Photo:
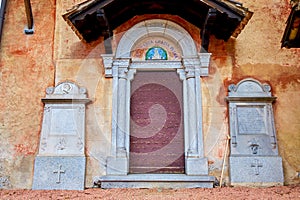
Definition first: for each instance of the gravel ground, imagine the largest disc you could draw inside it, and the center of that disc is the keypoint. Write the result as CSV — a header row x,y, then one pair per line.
x,y
279,192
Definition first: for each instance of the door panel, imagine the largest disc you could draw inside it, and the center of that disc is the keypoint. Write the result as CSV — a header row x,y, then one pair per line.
x,y
156,130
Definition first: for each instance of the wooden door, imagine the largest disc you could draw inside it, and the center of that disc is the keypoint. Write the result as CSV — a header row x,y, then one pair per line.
x,y
156,129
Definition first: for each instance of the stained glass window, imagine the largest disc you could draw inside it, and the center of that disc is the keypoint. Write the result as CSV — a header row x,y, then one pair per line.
x,y
156,53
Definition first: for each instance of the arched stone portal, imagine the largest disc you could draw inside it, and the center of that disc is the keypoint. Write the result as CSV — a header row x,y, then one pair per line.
x,y
183,59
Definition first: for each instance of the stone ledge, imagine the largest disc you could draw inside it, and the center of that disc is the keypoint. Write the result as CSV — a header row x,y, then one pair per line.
x,y
155,181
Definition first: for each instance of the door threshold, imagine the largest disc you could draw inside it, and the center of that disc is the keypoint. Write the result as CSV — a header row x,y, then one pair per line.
x,y
155,181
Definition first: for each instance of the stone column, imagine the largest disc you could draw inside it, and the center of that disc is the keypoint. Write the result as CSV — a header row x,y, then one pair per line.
x,y
195,163
198,105
117,163
121,115
192,117
115,75
130,76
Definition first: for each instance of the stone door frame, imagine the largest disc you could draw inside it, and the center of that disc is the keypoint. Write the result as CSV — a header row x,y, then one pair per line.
x,y
190,68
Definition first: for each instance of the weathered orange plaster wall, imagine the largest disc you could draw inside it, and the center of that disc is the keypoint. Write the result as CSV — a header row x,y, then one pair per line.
x,y
26,71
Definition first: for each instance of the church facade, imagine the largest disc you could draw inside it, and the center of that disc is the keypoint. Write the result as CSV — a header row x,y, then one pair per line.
x,y
153,94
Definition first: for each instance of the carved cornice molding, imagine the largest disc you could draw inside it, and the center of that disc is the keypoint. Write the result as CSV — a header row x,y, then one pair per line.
x,y
121,62
199,64
193,62
156,64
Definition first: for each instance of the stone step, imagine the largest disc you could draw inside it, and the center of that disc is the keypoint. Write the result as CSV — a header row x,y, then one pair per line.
x,y
155,181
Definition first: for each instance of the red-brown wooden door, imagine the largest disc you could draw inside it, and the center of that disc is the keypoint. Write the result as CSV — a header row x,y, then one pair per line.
x,y
156,129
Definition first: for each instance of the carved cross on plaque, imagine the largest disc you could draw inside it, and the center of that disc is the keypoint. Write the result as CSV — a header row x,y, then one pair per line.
x,y
257,165
58,172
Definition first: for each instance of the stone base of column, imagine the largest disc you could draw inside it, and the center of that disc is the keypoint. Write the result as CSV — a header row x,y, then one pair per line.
x,y
196,166
117,166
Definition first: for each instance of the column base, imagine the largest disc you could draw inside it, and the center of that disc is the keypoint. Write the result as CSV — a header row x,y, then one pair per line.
x,y
117,166
196,166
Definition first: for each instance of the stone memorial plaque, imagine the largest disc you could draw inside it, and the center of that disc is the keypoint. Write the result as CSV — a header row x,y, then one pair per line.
x,y
254,158
61,161
251,120
63,121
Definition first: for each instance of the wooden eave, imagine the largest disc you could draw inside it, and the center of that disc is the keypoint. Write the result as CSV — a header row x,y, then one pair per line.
x,y
95,18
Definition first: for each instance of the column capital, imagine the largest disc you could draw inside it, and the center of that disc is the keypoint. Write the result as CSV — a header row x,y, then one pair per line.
x,y
182,74
122,64
204,59
200,63
112,65
107,60
130,74
204,63
190,72
122,72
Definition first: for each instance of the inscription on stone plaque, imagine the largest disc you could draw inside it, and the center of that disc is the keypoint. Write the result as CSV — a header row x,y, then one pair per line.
x,y
251,120
63,122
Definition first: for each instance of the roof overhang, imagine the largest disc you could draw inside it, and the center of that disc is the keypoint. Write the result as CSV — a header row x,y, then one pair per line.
x,y
95,18
291,36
